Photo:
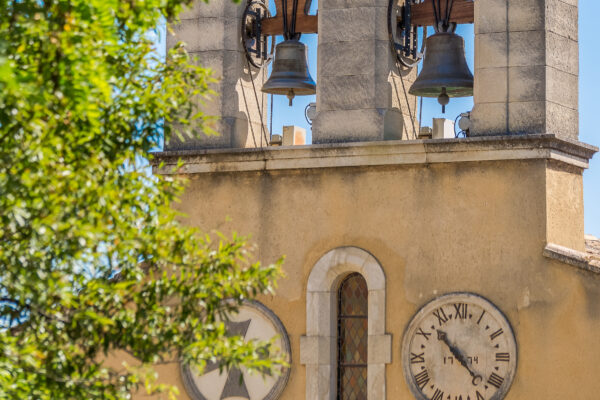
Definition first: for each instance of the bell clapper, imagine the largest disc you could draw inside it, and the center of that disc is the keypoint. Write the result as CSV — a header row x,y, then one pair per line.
x,y
443,99
290,96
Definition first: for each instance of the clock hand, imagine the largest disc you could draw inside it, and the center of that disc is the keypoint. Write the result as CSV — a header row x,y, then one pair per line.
x,y
459,356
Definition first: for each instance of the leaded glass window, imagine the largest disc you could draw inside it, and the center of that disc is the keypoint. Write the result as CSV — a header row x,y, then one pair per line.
x,y
352,338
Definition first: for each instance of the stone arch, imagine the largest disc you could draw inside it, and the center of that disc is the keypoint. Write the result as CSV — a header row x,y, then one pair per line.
x,y
317,347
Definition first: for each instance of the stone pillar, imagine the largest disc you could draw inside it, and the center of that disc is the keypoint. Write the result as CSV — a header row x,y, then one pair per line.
x,y
526,67
211,33
359,94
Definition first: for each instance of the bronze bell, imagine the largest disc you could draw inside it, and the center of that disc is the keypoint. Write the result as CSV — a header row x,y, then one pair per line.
x,y
290,74
445,71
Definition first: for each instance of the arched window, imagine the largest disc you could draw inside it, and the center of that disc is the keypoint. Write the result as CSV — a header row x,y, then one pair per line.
x,y
318,348
352,338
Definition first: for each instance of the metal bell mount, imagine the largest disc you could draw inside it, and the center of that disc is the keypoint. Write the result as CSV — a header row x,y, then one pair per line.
x,y
290,75
445,72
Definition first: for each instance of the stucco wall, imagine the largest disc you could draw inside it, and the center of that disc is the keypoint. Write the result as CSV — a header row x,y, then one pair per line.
x,y
434,228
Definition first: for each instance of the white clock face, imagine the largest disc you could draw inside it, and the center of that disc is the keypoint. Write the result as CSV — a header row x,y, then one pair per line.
x,y
459,347
254,321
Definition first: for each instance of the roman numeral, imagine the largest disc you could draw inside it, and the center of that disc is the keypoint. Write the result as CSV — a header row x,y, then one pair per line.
x,y
440,315
479,395
496,334
495,380
421,379
461,310
438,395
481,316
423,333
503,357
417,358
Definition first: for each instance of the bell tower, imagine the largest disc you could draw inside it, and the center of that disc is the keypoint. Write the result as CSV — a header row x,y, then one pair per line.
x,y
416,268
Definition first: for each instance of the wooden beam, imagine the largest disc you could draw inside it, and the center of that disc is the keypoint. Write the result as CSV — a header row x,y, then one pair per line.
x,y
304,23
463,12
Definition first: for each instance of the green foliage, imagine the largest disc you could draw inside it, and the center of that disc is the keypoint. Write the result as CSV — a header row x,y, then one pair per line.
x,y
93,264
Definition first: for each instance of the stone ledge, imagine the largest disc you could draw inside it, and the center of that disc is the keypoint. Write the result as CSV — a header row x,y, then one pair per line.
x,y
393,152
586,261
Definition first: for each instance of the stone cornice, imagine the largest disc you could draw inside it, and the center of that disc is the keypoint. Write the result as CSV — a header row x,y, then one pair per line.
x,y
586,261
405,152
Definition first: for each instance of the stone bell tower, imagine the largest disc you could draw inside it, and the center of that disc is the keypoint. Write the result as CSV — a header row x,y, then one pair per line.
x,y
445,269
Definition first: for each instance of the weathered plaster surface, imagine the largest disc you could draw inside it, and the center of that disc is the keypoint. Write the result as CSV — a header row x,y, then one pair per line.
x,y
439,216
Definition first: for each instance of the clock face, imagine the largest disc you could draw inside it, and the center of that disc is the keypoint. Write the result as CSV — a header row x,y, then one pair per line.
x,y
254,321
459,347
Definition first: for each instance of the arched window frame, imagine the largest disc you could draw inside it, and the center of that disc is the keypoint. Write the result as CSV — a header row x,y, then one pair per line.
x,y
318,347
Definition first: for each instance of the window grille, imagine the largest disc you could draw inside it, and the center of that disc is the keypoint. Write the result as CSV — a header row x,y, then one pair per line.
x,y
352,338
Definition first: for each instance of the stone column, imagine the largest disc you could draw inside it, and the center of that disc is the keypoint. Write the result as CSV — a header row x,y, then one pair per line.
x,y
211,33
526,67
359,95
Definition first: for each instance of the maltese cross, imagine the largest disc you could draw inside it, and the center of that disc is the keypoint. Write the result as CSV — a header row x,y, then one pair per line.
x,y
235,385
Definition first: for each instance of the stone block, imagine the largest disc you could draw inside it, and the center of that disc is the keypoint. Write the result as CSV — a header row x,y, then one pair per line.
x,y
490,16
562,121
562,53
319,382
317,350
377,308
357,125
353,24
351,92
319,307
213,8
202,34
371,57
526,83
562,88
528,117
489,119
442,129
230,64
491,50
401,100
231,132
376,382
526,15
561,18
380,349
491,85
293,136
526,48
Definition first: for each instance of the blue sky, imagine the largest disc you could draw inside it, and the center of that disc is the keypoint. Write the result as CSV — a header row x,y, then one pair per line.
x,y
589,103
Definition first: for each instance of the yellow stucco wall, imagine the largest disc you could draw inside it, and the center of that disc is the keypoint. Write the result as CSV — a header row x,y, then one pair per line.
x,y
434,228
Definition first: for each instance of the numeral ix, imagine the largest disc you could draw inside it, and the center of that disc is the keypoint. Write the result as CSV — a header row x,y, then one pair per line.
x,y
417,358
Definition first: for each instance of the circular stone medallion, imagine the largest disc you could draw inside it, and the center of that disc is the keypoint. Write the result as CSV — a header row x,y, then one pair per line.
x,y
254,321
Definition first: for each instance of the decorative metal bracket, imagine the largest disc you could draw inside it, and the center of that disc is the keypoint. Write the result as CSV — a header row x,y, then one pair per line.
x,y
259,47
404,37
